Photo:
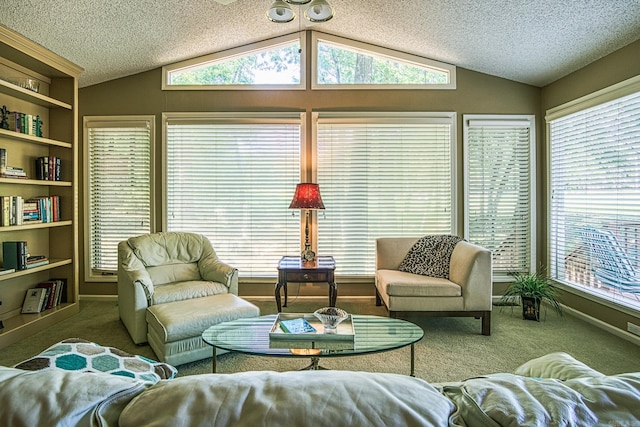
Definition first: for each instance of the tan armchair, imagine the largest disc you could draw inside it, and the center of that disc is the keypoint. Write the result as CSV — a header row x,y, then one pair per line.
x,y
167,267
467,291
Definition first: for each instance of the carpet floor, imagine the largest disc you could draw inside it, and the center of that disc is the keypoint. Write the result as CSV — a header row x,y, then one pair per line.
x,y
452,349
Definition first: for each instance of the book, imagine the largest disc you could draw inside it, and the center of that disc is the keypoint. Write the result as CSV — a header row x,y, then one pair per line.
x,y
296,326
3,160
61,291
6,271
14,255
51,287
37,263
34,300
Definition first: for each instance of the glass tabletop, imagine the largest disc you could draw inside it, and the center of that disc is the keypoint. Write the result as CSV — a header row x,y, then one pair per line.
x,y
372,334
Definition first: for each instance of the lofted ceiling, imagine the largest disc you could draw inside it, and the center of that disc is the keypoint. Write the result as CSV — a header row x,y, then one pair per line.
x,y
534,42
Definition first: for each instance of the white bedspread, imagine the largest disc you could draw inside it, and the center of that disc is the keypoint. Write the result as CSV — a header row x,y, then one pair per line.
x,y
305,398
53,397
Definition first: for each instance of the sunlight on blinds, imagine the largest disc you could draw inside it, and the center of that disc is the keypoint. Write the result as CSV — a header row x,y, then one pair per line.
x,y
382,176
499,176
595,198
119,169
232,180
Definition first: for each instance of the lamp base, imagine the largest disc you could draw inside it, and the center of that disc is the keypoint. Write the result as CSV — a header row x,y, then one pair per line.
x,y
307,254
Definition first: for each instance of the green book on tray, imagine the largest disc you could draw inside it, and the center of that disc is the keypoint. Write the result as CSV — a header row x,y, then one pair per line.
x,y
297,326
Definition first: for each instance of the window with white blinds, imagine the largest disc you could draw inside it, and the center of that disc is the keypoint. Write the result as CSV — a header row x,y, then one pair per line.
x,y
594,230
382,175
231,177
120,187
499,168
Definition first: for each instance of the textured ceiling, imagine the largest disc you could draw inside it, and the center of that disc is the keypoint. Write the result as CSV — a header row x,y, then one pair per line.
x,y
534,42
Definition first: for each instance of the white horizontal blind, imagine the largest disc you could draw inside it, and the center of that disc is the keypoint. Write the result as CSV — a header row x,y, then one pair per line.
x,y
120,186
595,184
499,196
232,179
382,177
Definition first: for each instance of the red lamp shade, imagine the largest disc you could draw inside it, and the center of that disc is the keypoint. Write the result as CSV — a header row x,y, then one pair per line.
x,y
307,196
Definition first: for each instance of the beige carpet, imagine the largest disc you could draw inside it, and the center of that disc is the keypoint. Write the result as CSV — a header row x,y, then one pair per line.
x,y
452,349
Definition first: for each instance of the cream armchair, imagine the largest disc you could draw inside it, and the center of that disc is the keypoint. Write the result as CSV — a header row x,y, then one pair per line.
x,y
166,267
467,291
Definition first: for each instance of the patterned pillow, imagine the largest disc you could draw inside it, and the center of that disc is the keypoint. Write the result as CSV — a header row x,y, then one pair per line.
x,y
430,256
75,354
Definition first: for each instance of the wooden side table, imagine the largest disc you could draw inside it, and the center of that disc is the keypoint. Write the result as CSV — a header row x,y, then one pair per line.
x,y
293,269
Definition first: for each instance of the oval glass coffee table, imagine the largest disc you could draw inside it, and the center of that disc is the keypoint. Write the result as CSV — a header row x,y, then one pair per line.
x,y
373,334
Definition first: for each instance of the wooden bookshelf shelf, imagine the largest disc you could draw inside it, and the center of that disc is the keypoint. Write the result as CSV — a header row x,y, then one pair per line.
x,y
33,139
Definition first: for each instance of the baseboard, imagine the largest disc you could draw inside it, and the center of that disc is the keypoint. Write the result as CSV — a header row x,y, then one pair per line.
x,y
603,325
593,321
102,298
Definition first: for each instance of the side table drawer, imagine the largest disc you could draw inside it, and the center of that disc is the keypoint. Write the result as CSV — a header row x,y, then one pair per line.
x,y
307,277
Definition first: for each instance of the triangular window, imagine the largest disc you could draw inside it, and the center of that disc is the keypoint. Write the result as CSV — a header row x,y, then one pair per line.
x,y
347,64
272,64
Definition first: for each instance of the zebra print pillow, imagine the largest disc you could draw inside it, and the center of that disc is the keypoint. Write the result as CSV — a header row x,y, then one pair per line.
x,y
430,256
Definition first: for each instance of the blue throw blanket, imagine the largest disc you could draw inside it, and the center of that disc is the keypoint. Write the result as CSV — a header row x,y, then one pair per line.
x,y
430,256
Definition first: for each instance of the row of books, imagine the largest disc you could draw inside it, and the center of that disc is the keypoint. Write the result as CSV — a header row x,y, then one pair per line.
x,y
15,256
48,168
21,122
14,210
45,295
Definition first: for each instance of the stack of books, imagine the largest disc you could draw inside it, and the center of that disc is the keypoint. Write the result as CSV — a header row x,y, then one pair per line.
x,y
37,261
44,296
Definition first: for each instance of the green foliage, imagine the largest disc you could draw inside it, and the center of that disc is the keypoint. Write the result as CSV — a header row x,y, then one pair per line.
x,y
343,66
534,285
245,69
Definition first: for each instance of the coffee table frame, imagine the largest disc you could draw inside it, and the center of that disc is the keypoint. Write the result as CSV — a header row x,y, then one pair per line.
x,y
373,334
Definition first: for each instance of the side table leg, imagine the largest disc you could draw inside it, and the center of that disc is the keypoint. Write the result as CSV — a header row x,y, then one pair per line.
x,y
214,360
284,285
278,303
413,370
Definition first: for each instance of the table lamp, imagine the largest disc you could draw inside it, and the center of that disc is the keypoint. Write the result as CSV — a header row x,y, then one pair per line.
x,y
307,196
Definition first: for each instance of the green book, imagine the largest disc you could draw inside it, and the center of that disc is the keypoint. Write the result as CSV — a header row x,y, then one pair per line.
x,y
296,326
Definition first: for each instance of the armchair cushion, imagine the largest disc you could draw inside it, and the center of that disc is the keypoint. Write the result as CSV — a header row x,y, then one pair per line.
x,y
187,290
398,283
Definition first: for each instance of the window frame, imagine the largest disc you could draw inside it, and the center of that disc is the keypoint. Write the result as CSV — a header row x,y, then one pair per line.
x,y
240,52
89,274
437,117
403,57
506,120
611,93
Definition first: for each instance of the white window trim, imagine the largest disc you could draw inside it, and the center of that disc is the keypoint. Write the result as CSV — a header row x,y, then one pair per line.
x,y
237,52
390,53
510,121
618,90
89,276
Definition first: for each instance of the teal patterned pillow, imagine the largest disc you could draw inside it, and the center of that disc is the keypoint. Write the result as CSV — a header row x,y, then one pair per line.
x,y
75,354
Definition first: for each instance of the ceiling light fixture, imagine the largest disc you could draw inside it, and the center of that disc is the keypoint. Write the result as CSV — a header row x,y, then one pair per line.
x,y
316,11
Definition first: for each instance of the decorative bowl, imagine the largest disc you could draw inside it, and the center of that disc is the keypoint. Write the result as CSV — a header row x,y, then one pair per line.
x,y
330,318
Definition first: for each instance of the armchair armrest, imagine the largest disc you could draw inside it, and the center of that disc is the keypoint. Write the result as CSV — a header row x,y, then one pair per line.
x,y
218,271
470,268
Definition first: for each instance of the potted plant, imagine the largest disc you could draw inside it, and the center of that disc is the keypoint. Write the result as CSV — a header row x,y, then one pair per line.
x,y
533,289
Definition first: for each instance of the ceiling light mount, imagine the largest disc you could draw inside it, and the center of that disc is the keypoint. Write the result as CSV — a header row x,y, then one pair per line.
x,y
316,11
